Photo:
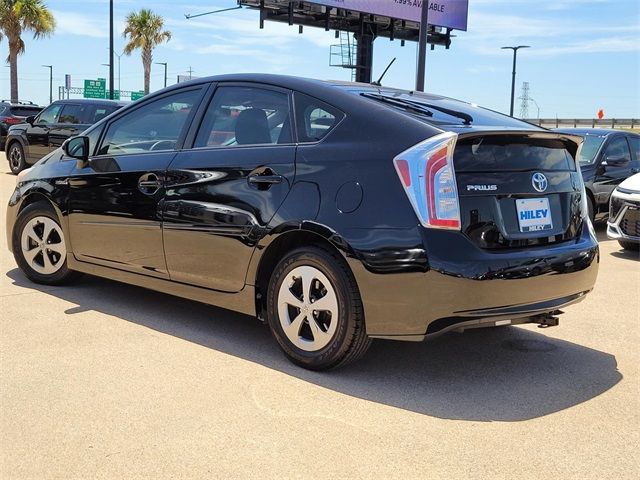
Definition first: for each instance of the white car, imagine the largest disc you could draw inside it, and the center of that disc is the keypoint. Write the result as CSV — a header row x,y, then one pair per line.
x,y
624,214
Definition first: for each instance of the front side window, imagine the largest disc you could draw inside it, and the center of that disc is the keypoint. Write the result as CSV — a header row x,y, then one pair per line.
x,y
156,126
50,114
590,148
618,148
245,116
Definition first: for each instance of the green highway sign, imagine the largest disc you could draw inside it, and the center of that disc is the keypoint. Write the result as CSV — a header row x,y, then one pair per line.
x,y
95,88
137,95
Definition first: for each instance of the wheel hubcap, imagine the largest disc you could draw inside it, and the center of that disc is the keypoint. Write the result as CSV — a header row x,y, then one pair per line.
x,y
15,158
308,308
43,245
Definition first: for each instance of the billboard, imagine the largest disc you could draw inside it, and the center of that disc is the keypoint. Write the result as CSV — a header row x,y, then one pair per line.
x,y
443,13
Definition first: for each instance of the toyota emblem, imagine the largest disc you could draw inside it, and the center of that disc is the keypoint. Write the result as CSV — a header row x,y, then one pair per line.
x,y
539,182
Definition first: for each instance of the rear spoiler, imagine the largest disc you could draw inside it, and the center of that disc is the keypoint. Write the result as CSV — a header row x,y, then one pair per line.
x,y
572,142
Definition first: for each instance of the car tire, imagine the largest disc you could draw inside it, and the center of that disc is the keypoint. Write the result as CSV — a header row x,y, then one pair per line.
x,y
591,210
15,156
39,246
629,245
316,338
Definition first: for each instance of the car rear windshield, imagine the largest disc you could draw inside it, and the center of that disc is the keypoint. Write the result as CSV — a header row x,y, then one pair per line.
x,y
24,111
495,154
590,148
441,110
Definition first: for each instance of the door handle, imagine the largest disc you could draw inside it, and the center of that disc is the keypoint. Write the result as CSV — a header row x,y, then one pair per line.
x,y
149,184
265,179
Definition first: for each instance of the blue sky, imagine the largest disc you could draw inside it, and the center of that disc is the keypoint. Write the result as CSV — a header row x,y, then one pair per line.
x,y
585,55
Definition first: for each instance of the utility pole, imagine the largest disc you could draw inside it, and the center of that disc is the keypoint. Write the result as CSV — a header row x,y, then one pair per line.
x,y
513,73
50,67
422,45
190,73
165,72
111,49
524,104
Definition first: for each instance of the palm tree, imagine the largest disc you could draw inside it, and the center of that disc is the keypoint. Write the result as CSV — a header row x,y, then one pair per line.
x,y
145,30
17,16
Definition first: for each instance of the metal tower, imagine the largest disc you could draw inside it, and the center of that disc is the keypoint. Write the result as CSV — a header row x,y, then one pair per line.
x,y
525,99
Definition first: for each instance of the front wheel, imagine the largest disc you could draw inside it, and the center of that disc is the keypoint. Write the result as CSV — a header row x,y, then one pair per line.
x,y
315,311
15,155
39,246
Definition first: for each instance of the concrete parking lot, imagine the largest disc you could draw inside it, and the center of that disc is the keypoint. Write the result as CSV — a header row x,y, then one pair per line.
x,y
106,380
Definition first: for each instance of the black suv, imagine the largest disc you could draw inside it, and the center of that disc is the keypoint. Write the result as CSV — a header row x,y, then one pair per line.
x,y
12,114
28,142
607,158
336,212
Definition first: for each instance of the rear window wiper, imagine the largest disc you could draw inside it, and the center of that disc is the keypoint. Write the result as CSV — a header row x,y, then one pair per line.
x,y
419,107
454,113
399,103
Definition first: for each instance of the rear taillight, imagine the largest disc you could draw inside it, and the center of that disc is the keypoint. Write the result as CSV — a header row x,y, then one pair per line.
x,y
13,120
429,180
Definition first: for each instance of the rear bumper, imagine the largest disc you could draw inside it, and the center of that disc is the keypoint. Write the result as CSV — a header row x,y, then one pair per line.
x,y
462,284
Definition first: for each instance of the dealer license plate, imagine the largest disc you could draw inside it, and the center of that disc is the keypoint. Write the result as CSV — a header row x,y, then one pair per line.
x,y
534,214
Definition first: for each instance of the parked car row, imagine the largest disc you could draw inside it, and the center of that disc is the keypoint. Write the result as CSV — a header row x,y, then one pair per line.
x,y
43,131
335,212
607,158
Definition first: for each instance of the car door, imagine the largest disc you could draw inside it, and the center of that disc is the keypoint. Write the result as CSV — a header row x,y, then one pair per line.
x,y
609,174
222,193
114,200
71,121
38,133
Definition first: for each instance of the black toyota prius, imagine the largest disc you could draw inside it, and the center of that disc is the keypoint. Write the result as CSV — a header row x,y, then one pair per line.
x,y
335,212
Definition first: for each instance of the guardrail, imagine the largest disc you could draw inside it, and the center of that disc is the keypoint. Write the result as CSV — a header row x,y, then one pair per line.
x,y
624,123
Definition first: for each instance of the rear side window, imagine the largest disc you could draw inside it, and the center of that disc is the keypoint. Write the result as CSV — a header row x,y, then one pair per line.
x,y
634,142
506,154
73,114
314,118
245,116
98,112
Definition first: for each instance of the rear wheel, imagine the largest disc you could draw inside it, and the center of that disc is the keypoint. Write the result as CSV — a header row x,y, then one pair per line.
x,y
315,311
15,155
39,246
629,245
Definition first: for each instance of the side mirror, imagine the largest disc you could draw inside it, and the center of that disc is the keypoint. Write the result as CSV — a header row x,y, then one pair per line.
x,y
616,161
30,119
77,147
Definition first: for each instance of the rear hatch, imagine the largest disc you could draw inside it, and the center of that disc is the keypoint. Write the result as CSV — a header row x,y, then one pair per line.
x,y
518,189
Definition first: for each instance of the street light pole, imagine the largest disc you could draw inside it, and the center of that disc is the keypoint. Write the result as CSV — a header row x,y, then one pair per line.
x,y
513,73
165,72
422,46
111,49
50,67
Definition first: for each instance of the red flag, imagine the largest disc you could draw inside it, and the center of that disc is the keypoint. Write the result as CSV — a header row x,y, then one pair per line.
x,y
600,114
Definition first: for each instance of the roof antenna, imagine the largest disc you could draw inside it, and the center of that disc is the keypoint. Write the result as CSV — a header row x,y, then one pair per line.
x,y
384,73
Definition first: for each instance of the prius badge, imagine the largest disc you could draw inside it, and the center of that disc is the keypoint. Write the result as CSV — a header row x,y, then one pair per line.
x,y
539,182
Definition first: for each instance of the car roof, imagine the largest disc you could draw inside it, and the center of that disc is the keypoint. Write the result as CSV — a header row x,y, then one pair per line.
x,y
600,132
304,84
94,101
